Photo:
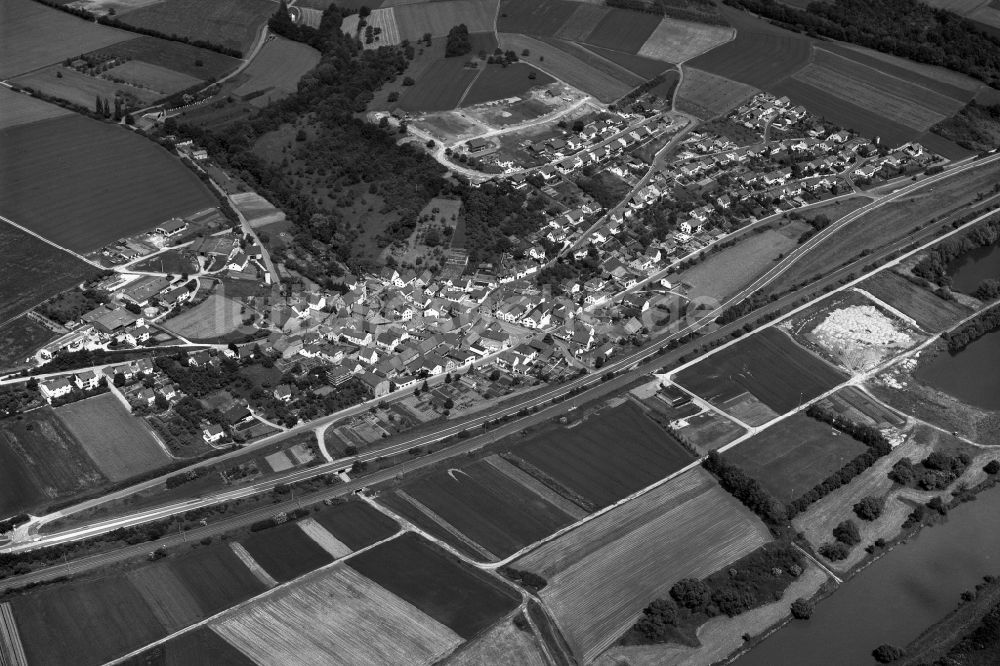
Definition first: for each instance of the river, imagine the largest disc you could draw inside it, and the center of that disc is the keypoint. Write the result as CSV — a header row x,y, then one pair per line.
x,y
969,270
895,599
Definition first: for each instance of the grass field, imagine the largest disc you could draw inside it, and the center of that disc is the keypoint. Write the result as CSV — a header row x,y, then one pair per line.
x,y
356,524
286,552
35,36
21,109
169,600
591,58
602,574
535,18
175,56
440,82
19,338
120,444
88,622
462,598
854,404
215,577
488,507
606,457
794,455
495,82
768,365
277,70
932,312
40,461
438,18
153,77
622,29
707,95
567,67
582,21
679,41
230,23
337,617
111,183
503,645
709,431
78,88
199,647
214,317
644,68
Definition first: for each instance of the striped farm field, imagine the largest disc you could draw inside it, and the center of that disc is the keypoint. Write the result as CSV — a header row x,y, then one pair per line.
x,y
234,24
437,18
336,617
310,17
215,577
603,573
678,41
386,20
582,21
567,67
21,109
591,57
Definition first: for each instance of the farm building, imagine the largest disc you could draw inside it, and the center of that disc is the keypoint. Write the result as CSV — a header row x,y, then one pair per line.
x,y
172,227
143,289
477,145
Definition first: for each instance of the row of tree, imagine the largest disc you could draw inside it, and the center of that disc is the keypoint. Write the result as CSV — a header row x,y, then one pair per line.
x,y
934,266
983,323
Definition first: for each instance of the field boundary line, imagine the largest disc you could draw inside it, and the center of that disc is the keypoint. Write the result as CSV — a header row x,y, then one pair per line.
x,y
465,93
448,527
53,244
11,648
255,568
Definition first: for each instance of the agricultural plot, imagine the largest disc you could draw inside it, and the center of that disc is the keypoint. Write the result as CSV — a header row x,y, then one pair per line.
x,y
644,68
199,647
622,29
602,574
111,183
708,431
495,82
567,67
438,18
855,405
323,539
40,461
153,77
120,444
606,457
584,19
78,88
462,598
21,109
178,57
769,366
234,24
531,17
286,552
356,524
11,650
276,70
503,645
593,59
169,600
19,338
929,310
35,36
440,88
707,95
309,17
385,20
337,617
793,455
88,622
215,577
213,318
678,41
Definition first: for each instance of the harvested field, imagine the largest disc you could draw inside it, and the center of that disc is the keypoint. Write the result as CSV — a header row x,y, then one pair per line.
x,y
602,574
495,82
286,552
323,539
356,524
678,41
276,70
622,29
606,457
503,645
438,18
34,36
175,56
171,602
584,19
258,210
119,443
932,312
111,183
215,577
19,109
645,68
234,24
199,647
213,318
79,88
41,461
87,622
566,67
488,507
793,455
769,365
535,18
153,77
462,598
707,95
337,617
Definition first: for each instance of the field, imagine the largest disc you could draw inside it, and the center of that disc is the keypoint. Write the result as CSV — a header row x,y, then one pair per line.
x,y
566,67
623,30
582,21
286,552
277,69
640,66
535,18
171,602
679,41
35,36
488,507
589,56
79,88
175,56
230,23
88,622
440,82
215,577
309,17
21,109
606,457
199,647
709,430
794,455
768,365
154,77
337,617
929,310
356,524
111,183
495,82
854,404
120,444
503,645
602,574
462,598
707,95
438,18
19,338
215,317
41,461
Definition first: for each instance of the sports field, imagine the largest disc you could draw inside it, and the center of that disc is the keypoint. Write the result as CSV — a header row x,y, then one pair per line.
x,y
602,574
277,69
21,109
495,82
678,41
792,456
707,95
234,24
83,183
34,36
336,617
768,365
438,18
286,552
566,67
119,443
929,310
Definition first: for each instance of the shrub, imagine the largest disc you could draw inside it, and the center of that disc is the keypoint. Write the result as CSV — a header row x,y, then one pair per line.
x,y
992,467
691,593
886,654
835,551
656,620
802,609
847,533
870,508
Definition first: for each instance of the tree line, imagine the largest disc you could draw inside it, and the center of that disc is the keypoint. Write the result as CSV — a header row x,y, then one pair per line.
x,y
934,266
983,323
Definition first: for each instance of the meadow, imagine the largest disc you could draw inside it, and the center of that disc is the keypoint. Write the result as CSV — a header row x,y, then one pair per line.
x,y
439,82
119,443
80,89
286,552
19,109
175,56
153,77
582,21
535,18
503,645
641,66
678,41
111,183
602,574
356,524
567,67
495,82
606,457
437,18
707,95
623,30
458,596
929,310
169,600
19,338
591,58
234,24
276,70
211,319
